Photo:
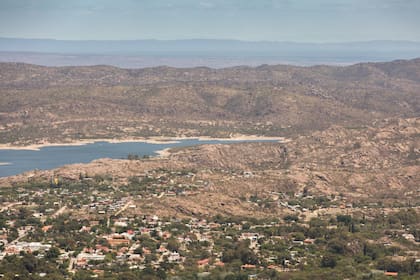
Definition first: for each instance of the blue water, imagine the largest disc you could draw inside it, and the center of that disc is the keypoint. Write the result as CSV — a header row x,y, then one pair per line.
x,y
19,161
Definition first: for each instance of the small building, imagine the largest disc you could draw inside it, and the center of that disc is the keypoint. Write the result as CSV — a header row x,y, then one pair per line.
x,y
248,266
90,257
117,240
202,263
174,257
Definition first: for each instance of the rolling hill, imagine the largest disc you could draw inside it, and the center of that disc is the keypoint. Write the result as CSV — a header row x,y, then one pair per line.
x,y
61,104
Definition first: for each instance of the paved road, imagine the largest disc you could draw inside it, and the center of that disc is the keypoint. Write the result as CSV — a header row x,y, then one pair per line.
x,y
4,208
123,208
59,212
71,263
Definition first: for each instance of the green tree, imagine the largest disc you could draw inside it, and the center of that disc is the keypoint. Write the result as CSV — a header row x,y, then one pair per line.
x,y
173,245
328,260
82,275
344,219
52,253
336,246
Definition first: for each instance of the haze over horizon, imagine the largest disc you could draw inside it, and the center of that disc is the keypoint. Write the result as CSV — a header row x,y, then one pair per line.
x,y
323,21
214,33
213,39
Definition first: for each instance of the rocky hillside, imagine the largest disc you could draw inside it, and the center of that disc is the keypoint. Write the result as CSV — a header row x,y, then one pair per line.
x,y
59,104
371,164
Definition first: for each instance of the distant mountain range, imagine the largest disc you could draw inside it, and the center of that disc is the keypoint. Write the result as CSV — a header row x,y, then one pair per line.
x,y
199,52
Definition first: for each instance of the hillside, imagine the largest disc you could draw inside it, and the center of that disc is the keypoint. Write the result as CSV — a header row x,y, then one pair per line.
x,y
59,104
337,199
277,209
371,164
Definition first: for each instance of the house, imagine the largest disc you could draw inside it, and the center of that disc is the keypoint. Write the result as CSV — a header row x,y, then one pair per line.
x,y
11,250
145,231
128,235
248,266
38,215
3,237
117,240
85,229
94,223
309,241
162,249
253,237
98,272
123,250
389,273
408,236
219,264
101,248
202,263
81,262
31,246
164,234
174,257
135,258
90,257
120,224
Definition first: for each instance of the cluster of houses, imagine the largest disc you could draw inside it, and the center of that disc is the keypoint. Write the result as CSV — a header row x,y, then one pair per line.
x,y
27,247
126,246
149,240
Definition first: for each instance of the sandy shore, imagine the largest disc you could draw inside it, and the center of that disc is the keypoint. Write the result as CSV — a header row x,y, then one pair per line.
x,y
152,140
243,138
163,153
36,147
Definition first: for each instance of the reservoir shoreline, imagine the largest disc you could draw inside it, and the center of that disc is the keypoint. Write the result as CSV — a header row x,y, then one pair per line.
x,y
18,159
151,140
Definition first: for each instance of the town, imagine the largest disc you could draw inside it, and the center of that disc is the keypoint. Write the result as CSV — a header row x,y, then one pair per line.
x,y
98,227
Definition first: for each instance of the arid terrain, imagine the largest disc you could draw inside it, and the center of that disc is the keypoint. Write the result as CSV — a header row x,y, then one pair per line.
x,y
352,130
337,198
61,104
366,164
210,140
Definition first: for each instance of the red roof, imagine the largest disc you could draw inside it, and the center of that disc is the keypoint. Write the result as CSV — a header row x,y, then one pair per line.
x,y
46,228
245,266
219,264
271,266
203,262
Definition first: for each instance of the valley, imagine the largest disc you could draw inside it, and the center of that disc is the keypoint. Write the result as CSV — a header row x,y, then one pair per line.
x,y
338,197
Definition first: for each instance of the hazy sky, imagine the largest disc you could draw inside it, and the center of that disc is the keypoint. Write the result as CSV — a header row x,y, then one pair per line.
x,y
271,20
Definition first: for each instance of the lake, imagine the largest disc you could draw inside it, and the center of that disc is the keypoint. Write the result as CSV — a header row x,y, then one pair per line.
x,y
13,162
